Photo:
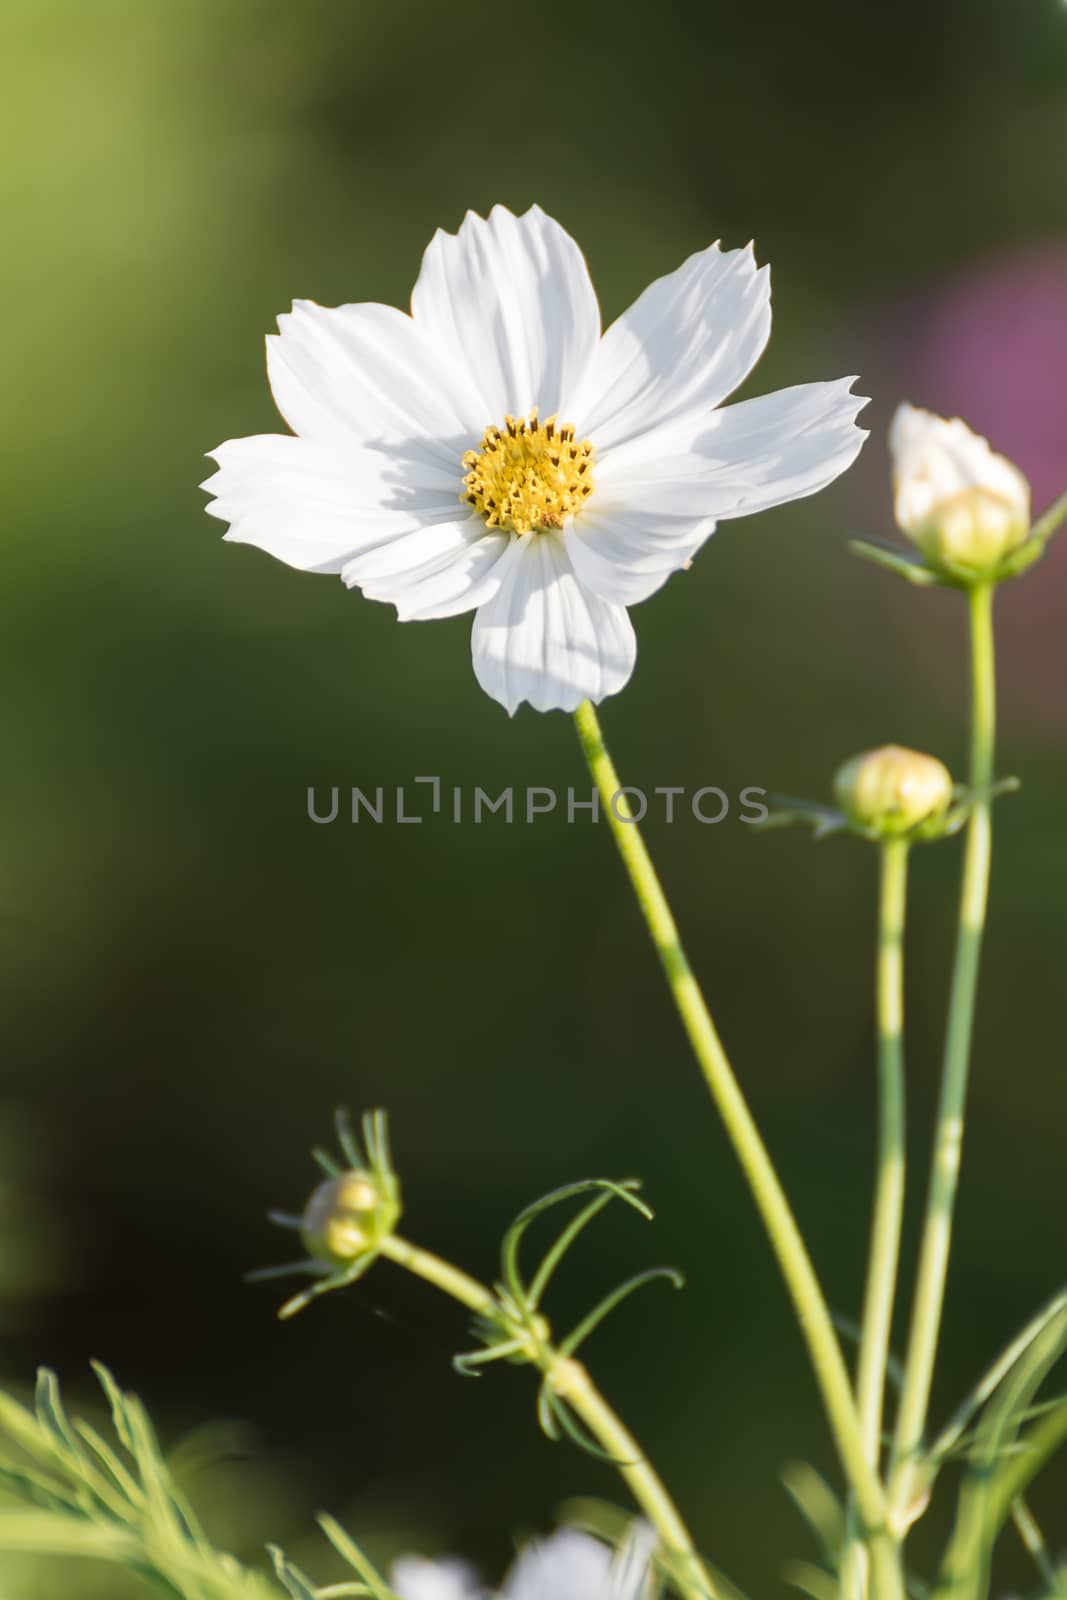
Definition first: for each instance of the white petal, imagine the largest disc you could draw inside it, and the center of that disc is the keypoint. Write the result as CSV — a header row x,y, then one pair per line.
x,y
935,459
547,639
631,1571
510,301
438,571
314,505
681,348
366,372
568,1566
624,554
744,458
416,1578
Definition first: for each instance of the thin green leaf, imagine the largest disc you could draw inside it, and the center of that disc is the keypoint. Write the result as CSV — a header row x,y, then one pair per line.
x,y
509,1250
36,1489
54,1533
1050,520
467,1365
552,1258
349,1551
25,1430
595,1317
111,1463
992,1485
784,810
336,1280
811,1580
896,558
566,1421
850,1329
377,1143
1034,1541
296,1585
991,1379
117,1401
819,1506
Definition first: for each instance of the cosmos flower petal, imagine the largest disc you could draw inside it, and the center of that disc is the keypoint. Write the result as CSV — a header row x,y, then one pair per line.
x,y
568,1566
546,639
936,458
416,1578
624,554
631,1570
312,505
681,348
510,301
365,372
438,571
745,458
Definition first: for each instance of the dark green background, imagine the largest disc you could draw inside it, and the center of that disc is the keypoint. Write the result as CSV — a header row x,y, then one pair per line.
x,y
194,975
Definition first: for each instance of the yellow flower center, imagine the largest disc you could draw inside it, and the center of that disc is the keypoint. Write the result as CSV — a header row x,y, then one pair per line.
x,y
528,476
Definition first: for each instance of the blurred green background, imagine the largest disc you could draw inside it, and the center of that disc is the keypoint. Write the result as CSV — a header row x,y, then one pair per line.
x,y
193,975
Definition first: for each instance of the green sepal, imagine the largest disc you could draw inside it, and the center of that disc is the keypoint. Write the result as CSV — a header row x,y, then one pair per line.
x,y
1051,520
784,810
918,569
906,563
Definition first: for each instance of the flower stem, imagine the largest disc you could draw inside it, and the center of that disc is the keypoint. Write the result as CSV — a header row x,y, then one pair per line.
x,y
889,1188
944,1171
786,1240
570,1382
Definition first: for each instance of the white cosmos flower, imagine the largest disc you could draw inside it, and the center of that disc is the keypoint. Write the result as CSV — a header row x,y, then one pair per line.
x,y
567,1566
959,501
495,452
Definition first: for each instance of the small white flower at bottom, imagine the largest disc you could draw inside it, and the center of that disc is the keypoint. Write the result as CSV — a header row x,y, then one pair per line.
x,y
495,452
567,1566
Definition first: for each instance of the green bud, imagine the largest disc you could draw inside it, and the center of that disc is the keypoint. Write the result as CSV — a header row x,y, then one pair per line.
x,y
347,1216
972,532
891,791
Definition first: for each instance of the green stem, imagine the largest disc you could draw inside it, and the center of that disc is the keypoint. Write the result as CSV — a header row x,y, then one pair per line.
x,y
1015,1478
571,1382
1033,1539
944,1171
786,1240
889,1188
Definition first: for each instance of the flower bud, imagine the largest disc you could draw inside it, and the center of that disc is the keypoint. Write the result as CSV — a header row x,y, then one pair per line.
x,y
891,791
964,506
346,1216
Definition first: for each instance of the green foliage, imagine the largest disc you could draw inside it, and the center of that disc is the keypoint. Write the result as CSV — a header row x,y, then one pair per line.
x,y
72,1493
514,1329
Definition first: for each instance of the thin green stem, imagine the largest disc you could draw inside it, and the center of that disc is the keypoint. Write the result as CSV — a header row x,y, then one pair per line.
x,y
810,1305
1032,1537
944,1172
888,1211
571,1383
1040,1444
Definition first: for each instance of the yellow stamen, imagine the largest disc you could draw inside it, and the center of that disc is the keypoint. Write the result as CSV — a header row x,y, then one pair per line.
x,y
528,476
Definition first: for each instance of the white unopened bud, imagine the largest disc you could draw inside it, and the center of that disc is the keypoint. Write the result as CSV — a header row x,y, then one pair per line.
x,y
892,790
964,506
